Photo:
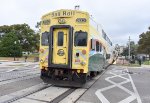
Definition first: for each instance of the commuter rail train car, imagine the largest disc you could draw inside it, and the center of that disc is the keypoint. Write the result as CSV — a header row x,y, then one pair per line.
x,y
71,50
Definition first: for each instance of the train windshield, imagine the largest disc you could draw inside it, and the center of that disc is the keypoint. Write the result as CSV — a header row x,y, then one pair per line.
x,y
80,38
44,39
60,38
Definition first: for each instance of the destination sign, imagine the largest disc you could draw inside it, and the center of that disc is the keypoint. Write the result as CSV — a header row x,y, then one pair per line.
x,y
63,13
81,20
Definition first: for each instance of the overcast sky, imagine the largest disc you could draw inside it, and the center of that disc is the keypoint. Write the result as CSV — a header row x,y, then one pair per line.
x,y
119,18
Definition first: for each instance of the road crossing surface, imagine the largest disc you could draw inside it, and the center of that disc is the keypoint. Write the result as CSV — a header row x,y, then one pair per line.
x,y
21,83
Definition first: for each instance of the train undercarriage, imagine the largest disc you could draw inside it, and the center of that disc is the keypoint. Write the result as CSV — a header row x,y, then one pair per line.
x,y
66,77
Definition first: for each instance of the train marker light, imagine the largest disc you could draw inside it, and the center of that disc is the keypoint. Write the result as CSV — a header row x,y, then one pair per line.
x,y
83,52
77,60
42,50
83,63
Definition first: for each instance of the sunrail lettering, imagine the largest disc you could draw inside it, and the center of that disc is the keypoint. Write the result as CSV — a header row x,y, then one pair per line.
x,y
63,14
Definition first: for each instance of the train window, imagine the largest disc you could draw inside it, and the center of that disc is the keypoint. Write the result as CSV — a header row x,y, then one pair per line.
x,y
100,47
92,44
60,38
80,38
97,46
44,39
113,52
107,56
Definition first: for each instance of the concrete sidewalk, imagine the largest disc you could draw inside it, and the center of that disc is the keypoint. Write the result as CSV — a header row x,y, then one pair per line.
x,y
145,66
4,63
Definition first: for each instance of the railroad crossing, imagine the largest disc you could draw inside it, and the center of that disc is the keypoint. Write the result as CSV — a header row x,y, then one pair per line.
x,y
21,83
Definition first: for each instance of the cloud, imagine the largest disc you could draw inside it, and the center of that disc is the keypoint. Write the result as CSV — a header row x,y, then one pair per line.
x,y
119,18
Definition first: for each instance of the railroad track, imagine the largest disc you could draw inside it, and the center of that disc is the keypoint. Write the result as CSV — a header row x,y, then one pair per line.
x,y
16,75
18,68
19,78
8,80
70,94
62,96
45,91
34,90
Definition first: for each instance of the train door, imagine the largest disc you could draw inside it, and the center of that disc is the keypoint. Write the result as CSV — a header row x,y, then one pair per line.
x,y
60,46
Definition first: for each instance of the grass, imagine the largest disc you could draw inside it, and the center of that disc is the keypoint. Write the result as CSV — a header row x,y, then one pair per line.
x,y
32,55
31,58
129,65
147,62
134,65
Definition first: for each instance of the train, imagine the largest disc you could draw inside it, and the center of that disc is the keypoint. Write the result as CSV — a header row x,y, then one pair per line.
x,y
73,48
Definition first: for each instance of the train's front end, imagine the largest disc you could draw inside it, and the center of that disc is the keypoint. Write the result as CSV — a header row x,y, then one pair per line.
x,y
64,47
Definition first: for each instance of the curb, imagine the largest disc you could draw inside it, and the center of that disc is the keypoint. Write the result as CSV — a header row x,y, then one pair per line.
x,y
145,66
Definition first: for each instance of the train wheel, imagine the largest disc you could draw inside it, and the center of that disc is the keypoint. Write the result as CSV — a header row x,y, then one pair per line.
x,y
43,73
98,72
93,74
80,77
83,78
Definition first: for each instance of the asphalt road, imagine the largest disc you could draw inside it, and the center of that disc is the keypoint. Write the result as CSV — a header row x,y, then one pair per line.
x,y
120,85
117,85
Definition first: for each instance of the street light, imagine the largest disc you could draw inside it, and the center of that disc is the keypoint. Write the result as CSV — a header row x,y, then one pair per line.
x,y
14,49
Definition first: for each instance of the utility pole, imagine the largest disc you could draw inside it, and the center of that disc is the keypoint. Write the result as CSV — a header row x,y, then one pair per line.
x,y
14,50
129,47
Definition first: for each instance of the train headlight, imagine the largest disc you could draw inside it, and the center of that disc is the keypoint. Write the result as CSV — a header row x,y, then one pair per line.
x,y
83,52
83,63
61,21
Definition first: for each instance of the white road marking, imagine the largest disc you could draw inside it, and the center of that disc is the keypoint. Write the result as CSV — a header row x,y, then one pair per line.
x,y
135,90
12,70
73,96
83,102
121,76
26,65
128,100
23,78
133,95
101,97
36,66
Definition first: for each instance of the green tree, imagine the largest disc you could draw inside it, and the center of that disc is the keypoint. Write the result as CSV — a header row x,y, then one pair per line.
x,y
125,52
10,46
144,43
133,49
28,38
